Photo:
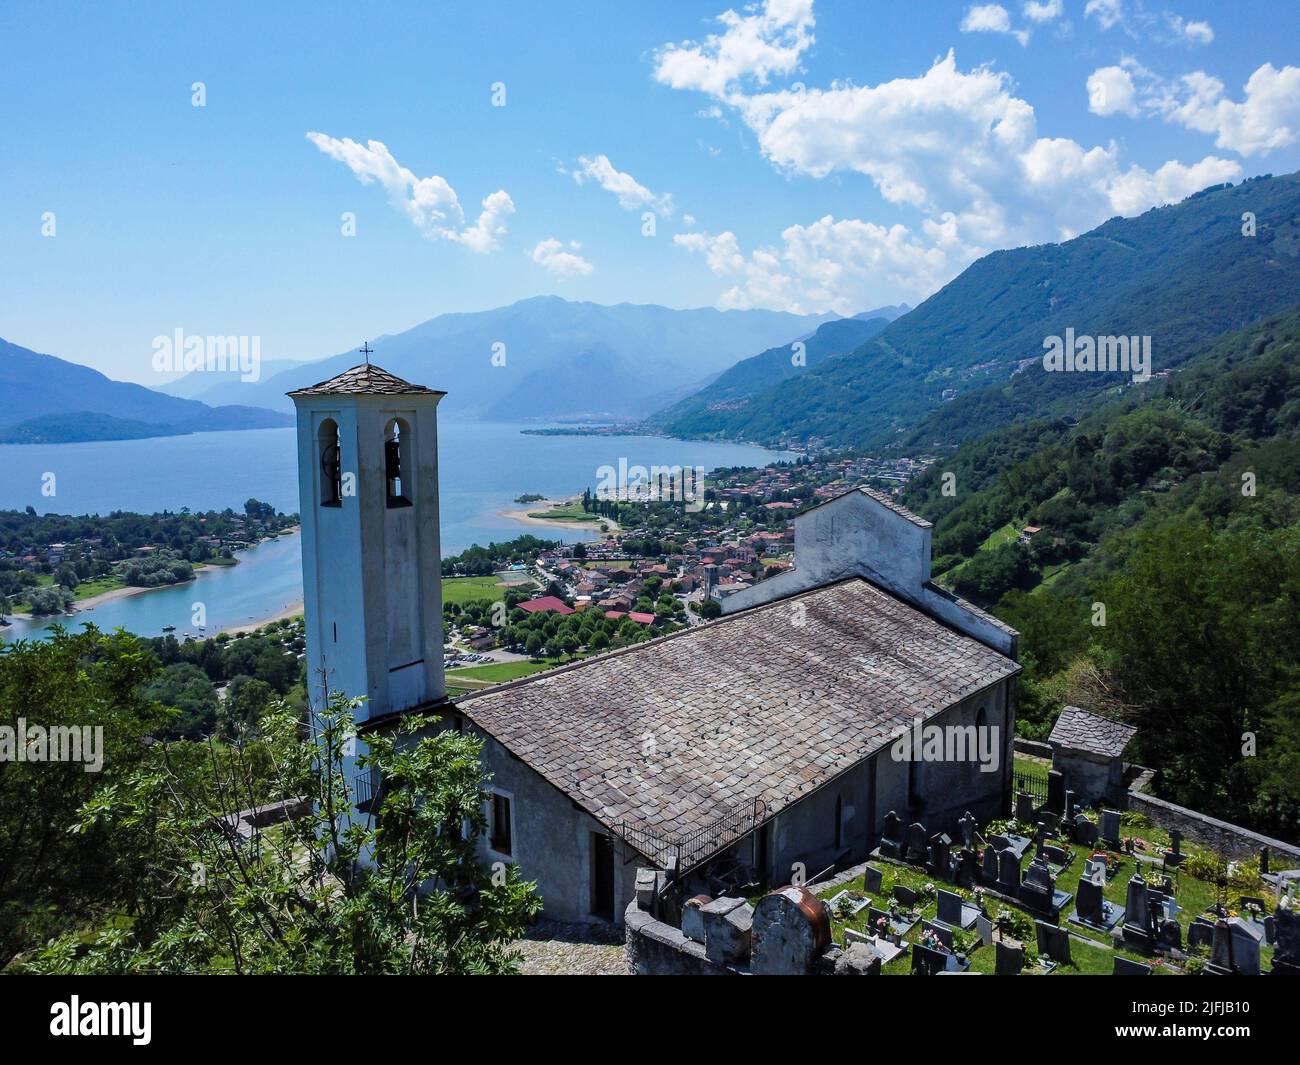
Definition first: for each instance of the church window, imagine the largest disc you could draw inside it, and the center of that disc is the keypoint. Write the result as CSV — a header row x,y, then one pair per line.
x,y
331,465
396,444
501,837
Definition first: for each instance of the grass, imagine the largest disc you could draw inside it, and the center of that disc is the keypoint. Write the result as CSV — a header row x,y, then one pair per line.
x,y
500,672
467,589
569,512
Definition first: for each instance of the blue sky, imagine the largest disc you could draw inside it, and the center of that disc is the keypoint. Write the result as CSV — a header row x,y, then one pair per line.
x,y
799,155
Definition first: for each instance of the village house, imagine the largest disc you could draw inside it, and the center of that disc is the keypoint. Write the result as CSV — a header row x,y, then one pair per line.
x,y
765,740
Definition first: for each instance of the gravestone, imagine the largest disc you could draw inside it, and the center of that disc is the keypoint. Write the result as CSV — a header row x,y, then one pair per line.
x,y
1085,831
1053,941
1200,933
917,844
1095,869
953,910
1263,861
1286,940
728,927
1039,888
969,827
999,842
1247,940
891,838
1058,855
1110,827
872,879
1138,930
858,959
989,873
985,929
1169,935
1174,856
1024,807
1009,958
791,928
1068,813
1049,822
1128,967
941,932
905,895
1221,961
1056,791
968,868
927,962
940,863
1091,907
1008,872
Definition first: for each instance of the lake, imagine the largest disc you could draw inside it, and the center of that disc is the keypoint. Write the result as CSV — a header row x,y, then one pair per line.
x,y
484,466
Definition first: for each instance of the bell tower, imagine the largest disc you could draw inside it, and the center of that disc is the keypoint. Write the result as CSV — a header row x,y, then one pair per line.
x,y
371,560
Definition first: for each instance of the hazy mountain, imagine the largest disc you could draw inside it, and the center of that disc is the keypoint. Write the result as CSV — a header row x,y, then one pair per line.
x,y
49,400
1181,274
732,391
563,360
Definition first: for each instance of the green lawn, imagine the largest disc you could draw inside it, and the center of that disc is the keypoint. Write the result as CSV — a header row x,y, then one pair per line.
x,y
466,589
569,512
499,672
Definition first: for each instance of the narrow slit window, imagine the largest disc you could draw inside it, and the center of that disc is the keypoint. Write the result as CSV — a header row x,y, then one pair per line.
x,y
500,839
331,465
396,445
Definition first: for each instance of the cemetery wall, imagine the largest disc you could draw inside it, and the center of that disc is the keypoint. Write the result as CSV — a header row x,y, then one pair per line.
x,y
1230,840
1035,748
658,949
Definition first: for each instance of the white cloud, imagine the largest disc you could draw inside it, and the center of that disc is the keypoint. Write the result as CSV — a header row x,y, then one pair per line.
x,y
770,40
1111,91
1108,13
550,254
1043,12
632,195
991,18
1194,32
430,203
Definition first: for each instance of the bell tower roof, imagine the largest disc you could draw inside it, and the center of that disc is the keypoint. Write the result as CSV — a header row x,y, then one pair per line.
x,y
366,379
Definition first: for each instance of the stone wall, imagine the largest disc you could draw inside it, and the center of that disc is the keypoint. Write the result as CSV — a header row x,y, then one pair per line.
x,y
1230,840
658,949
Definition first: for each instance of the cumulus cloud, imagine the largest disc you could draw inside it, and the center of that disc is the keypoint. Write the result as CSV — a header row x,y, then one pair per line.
x,y
632,195
1043,12
1108,13
1111,91
991,18
771,40
1187,30
551,256
430,203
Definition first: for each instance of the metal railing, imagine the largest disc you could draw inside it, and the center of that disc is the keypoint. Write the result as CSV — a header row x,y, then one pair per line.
x,y
1030,783
683,854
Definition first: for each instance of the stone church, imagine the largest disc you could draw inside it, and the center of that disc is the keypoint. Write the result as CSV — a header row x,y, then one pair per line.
x,y
755,746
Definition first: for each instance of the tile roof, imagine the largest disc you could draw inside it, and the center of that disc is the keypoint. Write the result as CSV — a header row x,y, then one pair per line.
x,y
671,734
1082,731
546,604
365,379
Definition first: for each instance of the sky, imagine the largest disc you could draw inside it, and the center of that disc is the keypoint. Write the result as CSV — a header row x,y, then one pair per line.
x,y
316,174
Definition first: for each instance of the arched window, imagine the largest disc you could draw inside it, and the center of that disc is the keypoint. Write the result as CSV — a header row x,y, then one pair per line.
x,y
331,465
981,717
397,438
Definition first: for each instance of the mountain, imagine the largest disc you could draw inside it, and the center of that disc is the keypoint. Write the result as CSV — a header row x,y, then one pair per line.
x,y
562,360
44,399
731,393
1180,274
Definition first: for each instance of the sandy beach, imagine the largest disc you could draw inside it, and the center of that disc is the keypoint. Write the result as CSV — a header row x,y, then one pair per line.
x,y
525,515
291,610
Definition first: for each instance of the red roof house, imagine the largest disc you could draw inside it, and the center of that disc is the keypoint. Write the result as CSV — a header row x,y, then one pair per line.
x,y
546,604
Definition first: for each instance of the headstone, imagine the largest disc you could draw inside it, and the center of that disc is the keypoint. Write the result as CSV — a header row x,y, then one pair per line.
x,y
969,827
985,929
1053,941
1049,822
1009,958
1174,856
1090,905
872,879
940,932
1221,960
905,895
891,838
1058,855
1068,813
1056,791
1263,861
1128,967
927,962
1024,807
858,959
967,874
1247,940
1008,872
1200,933
1085,831
1169,935
1138,930
940,863
917,844
989,873
953,910
1110,827
728,926
1039,887
1095,870
791,928
1286,940
999,841
692,920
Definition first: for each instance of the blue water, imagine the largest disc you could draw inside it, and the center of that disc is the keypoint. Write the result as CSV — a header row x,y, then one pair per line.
x,y
484,466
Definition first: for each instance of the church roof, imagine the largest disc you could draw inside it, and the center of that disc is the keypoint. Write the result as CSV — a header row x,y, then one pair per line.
x,y
365,379
884,500
1081,731
669,735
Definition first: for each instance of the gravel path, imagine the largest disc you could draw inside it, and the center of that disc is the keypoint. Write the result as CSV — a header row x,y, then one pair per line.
x,y
553,949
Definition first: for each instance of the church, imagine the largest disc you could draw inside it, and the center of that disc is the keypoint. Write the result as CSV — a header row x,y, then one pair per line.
x,y
755,749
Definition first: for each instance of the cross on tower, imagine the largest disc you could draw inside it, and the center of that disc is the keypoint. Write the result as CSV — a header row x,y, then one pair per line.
x,y
366,349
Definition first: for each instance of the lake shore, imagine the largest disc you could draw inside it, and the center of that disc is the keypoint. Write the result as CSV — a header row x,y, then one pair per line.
x,y
533,514
291,610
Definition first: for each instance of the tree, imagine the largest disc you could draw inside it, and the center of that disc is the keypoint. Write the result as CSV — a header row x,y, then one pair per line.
x,y
396,890
534,644
710,609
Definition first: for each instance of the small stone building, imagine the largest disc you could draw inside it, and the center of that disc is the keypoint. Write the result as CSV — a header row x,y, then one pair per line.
x,y
1088,751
